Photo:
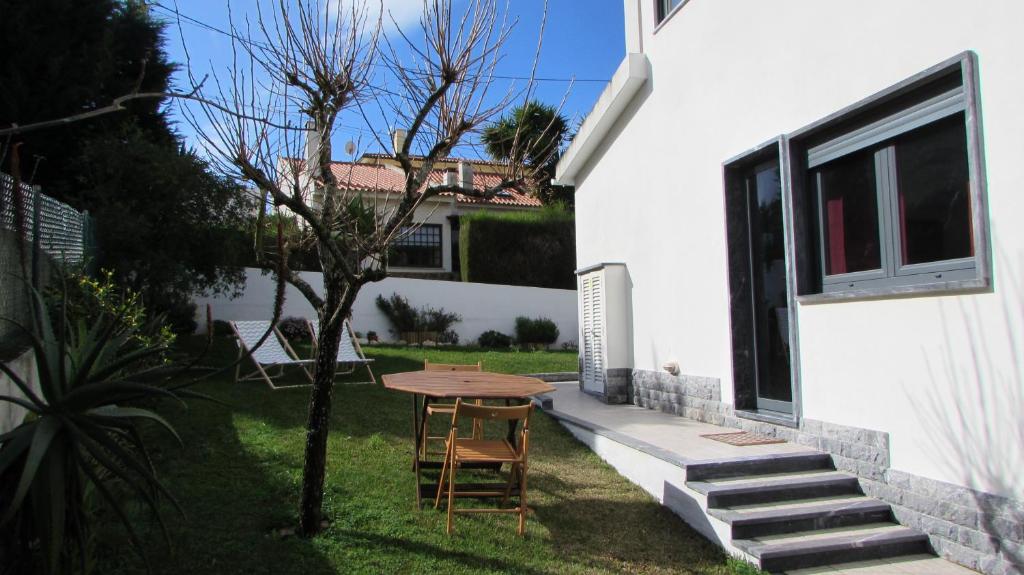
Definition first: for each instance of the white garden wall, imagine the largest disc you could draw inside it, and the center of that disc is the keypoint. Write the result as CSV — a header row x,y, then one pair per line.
x,y
943,375
482,306
24,365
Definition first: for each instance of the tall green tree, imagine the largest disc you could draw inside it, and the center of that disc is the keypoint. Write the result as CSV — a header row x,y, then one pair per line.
x,y
159,210
532,134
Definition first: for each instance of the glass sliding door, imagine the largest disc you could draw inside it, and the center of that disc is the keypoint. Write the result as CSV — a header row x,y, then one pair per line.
x,y
769,298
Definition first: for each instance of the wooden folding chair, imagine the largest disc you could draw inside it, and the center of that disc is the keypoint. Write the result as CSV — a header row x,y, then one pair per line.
x,y
268,355
350,353
445,409
460,450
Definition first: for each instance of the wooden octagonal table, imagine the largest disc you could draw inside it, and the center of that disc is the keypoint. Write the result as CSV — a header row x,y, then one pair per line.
x,y
426,386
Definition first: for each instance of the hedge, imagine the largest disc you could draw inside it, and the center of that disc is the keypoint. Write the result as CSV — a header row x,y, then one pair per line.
x,y
519,248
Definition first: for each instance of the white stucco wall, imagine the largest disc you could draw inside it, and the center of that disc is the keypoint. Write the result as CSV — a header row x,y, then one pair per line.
x,y
24,365
943,375
482,306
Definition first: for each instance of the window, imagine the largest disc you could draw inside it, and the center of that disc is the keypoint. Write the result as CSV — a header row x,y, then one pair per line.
x,y
892,190
665,7
419,248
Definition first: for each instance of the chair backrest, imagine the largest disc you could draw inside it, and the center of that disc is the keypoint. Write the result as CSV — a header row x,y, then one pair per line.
x,y
493,412
347,351
270,352
427,366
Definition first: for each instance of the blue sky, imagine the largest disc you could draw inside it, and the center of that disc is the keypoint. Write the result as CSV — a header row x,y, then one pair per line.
x,y
585,44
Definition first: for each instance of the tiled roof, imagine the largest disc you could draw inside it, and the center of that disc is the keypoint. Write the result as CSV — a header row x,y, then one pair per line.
x,y
380,156
379,177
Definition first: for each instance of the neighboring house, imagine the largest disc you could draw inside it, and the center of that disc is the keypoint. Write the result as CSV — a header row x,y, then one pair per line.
x,y
430,247
830,242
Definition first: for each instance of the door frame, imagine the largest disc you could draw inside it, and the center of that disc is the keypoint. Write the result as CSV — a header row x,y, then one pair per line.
x,y
745,399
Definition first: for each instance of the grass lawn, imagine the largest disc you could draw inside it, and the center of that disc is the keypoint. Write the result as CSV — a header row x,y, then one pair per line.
x,y
239,472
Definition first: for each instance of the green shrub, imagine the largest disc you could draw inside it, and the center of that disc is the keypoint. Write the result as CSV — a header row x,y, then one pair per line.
x,y
81,297
406,319
522,248
398,311
221,327
436,320
494,340
294,328
536,331
181,317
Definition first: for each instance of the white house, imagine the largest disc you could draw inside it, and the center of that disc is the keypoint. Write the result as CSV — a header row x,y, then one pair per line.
x,y
429,248
830,243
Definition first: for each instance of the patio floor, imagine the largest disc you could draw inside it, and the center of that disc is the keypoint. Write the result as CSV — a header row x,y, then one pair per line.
x,y
674,435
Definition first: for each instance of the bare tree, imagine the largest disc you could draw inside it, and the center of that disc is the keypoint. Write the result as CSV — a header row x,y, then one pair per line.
x,y
298,68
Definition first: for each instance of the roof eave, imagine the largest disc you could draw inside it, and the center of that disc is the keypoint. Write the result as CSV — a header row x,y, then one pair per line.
x,y
632,73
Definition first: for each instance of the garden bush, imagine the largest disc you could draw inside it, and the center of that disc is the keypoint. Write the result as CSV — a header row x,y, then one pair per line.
x,y
81,297
400,314
407,320
294,328
180,316
494,340
526,248
536,331
221,327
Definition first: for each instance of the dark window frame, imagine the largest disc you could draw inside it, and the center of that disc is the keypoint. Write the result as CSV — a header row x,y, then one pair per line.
x,y
734,176
938,93
664,10
420,236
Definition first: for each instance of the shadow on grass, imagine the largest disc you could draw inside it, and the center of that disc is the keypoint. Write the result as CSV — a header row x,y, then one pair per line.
x,y
233,499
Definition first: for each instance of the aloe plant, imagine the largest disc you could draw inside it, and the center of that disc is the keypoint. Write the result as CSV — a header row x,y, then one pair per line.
x,y
81,433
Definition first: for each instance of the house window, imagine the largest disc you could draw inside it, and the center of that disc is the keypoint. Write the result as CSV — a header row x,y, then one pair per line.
x,y
419,247
893,188
663,8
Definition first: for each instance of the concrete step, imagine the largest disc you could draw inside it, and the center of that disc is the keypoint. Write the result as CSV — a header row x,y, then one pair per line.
x,y
812,515
827,547
781,487
781,463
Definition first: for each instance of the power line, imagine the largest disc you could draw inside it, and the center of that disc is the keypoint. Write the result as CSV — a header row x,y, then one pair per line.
x,y
199,23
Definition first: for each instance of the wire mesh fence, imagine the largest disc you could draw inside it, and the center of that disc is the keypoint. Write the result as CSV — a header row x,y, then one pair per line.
x,y
37,233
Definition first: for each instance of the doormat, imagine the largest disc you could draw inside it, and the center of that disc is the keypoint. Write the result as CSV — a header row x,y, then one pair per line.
x,y
743,438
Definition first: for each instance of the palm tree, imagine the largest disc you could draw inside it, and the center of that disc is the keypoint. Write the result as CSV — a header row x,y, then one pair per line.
x,y
531,135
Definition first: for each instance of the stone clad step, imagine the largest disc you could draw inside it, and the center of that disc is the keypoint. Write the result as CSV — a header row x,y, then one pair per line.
x,y
783,487
816,548
782,463
769,520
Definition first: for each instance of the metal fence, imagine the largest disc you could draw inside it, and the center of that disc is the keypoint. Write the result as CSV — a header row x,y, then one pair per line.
x,y
51,233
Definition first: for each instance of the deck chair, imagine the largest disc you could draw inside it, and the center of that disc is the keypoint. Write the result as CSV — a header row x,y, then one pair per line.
x,y
460,450
446,409
268,355
350,353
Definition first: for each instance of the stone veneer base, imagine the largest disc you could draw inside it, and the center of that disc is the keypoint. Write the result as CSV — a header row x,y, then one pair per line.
x,y
975,529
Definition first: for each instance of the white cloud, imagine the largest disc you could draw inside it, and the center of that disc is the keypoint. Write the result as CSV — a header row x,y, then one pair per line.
x,y
406,13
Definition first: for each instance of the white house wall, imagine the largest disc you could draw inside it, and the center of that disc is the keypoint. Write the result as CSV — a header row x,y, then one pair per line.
x,y
941,375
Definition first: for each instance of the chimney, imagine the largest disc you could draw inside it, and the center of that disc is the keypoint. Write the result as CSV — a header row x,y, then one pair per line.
x,y
465,175
398,139
312,144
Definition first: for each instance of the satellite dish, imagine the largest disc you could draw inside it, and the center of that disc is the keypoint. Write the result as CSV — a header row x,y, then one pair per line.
x,y
350,147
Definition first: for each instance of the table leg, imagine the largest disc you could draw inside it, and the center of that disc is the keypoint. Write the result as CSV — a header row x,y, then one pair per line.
x,y
419,420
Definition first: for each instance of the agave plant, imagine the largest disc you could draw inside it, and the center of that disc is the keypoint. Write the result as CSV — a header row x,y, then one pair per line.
x,y
81,434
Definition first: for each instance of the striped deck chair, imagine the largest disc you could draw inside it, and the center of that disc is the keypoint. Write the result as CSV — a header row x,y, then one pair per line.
x,y
268,355
350,353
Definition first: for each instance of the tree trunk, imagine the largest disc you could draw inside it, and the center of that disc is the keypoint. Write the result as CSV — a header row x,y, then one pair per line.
x,y
318,424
